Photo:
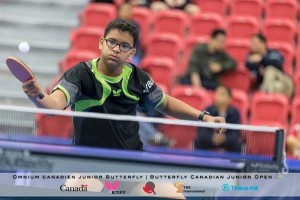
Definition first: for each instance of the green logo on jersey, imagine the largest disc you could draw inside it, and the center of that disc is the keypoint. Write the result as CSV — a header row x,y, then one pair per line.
x,y
117,93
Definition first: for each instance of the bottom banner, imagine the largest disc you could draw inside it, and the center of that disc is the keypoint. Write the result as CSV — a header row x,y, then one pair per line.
x,y
168,185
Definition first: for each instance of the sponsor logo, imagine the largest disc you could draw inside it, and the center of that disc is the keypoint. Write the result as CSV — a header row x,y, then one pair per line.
x,y
149,187
226,188
182,188
179,186
82,188
112,186
148,86
117,93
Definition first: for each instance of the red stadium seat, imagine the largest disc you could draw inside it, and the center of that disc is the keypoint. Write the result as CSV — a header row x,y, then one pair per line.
x,y
298,55
98,14
144,18
252,8
165,45
172,21
297,83
74,57
213,6
240,100
183,136
269,108
195,97
237,79
203,24
295,111
298,35
238,49
287,9
288,53
86,39
278,30
242,27
54,125
162,70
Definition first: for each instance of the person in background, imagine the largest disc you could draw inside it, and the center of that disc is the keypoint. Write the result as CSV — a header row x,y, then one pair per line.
x,y
144,3
266,67
230,140
185,5
208,61
102,1
293,142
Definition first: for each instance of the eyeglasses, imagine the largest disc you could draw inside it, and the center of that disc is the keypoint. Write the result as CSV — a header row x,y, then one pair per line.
x,y
112,43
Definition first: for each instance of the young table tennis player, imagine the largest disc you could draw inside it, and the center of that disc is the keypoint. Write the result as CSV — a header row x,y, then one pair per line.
x,y
111,85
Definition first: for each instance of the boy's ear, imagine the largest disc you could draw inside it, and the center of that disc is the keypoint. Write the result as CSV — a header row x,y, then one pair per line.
x,y
132,53
101,40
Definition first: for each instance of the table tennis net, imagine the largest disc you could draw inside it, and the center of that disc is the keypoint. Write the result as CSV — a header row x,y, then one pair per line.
x,y
166,135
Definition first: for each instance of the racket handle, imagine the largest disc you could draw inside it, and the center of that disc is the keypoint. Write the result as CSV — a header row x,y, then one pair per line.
x,y
41,95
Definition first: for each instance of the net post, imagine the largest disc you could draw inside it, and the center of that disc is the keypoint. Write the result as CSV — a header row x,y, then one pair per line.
x,y
279,145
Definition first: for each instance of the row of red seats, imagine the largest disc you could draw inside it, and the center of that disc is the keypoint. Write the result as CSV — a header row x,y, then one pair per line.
x,y
178,22
85,38
280,33
287,9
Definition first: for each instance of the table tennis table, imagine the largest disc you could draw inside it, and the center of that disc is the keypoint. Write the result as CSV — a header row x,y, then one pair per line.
x,y
37,157
58,155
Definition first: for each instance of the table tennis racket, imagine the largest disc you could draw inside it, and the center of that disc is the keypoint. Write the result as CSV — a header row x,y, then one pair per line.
x,y
20,70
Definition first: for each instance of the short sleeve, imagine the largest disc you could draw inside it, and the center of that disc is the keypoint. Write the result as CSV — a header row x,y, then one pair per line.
x,y
70,84
152,96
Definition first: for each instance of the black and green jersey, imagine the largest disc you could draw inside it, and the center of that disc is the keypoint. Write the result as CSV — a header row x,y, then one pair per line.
x,y
88,90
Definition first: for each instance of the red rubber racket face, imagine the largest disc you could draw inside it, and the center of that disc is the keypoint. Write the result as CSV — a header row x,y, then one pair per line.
x,y
19,69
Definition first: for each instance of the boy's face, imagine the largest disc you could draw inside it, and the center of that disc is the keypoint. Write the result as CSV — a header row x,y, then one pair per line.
x,y
123,51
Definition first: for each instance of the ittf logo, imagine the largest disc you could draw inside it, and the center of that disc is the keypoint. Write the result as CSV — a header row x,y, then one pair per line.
x,y
112,186
179,186
149,187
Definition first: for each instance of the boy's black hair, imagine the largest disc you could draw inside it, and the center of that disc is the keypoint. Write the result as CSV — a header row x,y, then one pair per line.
x,y
124,26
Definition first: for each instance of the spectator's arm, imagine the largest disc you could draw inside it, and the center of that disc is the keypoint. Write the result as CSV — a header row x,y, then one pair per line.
x,y
252,66
228,63
195,79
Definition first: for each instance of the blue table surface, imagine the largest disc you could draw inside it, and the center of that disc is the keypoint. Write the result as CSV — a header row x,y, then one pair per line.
x,y
152,154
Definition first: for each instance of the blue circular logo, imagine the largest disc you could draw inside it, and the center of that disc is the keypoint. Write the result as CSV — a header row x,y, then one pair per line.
x,y
225,187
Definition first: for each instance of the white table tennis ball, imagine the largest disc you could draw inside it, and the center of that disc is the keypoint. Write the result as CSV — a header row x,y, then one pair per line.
x,y
24,47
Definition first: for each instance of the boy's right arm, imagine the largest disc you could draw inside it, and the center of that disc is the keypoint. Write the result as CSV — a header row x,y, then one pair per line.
x,y
56,100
